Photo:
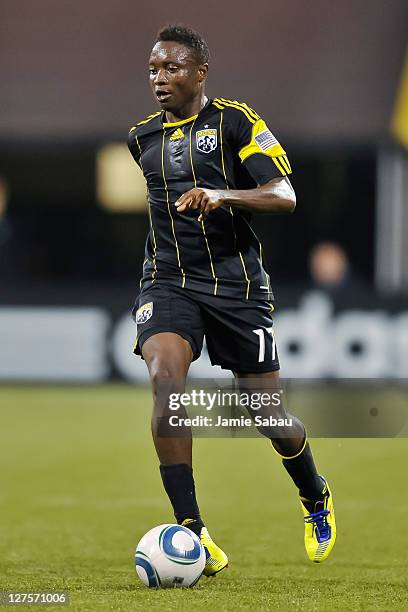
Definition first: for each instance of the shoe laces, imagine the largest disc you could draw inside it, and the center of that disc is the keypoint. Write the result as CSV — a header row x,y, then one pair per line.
x,y
320,524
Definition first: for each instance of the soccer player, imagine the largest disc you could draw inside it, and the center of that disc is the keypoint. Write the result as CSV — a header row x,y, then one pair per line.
x,y
209,164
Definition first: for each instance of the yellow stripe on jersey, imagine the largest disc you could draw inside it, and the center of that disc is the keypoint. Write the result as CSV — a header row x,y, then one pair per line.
x,y
250,110
218,105
183,282
278,165
246,275
222,151
282,160
210,257
202,221
149,118
154,273
140,150
232,216
275,151
288,162
218,102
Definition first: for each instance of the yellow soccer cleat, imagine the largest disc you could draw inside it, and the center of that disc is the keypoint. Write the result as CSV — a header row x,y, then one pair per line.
x,y
320,527
217,560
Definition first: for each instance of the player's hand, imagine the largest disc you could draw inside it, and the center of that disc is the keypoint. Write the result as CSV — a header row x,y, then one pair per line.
x,y
203,200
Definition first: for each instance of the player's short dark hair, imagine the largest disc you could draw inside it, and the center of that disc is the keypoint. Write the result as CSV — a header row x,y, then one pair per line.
x,y
188,37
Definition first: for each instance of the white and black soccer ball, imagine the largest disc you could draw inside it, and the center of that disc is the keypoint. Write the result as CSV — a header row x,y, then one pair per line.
x,y
170,556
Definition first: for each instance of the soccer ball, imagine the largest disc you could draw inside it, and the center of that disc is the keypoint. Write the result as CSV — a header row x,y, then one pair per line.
x,y
169,556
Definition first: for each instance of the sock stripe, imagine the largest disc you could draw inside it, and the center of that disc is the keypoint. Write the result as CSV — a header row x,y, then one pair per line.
x,y
293,456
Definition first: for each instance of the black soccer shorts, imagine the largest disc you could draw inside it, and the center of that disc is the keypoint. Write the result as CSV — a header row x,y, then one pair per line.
x,y
239,333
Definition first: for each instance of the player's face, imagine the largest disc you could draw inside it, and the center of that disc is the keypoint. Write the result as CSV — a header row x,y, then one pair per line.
x,y
175,77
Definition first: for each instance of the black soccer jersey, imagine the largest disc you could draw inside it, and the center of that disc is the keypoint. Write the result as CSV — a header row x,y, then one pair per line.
x,y
225,146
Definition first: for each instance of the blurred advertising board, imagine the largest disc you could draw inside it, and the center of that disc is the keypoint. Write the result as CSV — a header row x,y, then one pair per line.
x,y
87,336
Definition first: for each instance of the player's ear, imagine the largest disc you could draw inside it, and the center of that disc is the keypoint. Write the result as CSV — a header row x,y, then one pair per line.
x,y
202,72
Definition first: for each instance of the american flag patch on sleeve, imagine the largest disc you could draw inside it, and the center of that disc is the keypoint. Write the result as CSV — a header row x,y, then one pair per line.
x,y
265,140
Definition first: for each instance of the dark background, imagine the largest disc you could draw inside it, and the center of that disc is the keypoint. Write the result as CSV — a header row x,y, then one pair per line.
x,y
62,233
74,77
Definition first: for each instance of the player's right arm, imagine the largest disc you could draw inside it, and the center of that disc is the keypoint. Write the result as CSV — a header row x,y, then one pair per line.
x,y
264,159
276,196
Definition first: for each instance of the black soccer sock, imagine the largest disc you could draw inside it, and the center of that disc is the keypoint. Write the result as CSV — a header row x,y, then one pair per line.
x,y
301,468
179,484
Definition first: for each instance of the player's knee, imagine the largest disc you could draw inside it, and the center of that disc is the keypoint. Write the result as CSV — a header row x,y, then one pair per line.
x,y
163,377
275,424
166,378
165,370
161,371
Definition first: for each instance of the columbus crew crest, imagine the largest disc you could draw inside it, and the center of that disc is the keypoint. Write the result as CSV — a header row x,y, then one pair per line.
x,y
144,313
206,140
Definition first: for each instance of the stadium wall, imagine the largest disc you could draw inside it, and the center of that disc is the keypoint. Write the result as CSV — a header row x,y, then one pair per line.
x,y
85,336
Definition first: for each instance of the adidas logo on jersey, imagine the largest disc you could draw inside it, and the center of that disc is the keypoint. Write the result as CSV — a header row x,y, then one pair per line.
x,y
177,134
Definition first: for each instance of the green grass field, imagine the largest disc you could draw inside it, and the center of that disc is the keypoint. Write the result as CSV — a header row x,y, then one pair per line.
x,y
80,485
